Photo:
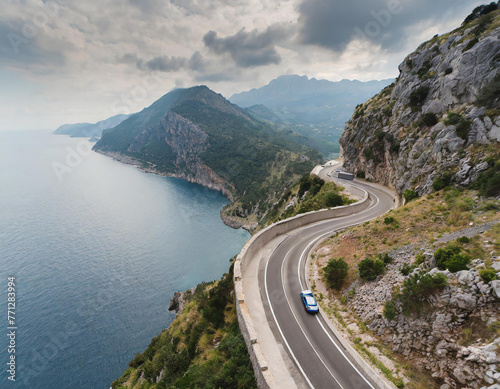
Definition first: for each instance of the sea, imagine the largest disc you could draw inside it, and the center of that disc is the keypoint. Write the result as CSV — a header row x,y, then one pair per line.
x,y
92,251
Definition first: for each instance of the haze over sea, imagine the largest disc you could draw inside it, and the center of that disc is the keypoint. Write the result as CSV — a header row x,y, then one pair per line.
x,y
97,253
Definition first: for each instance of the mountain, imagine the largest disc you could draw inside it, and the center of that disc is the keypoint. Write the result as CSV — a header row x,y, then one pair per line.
x,y
198,135
316,108
67,129
439,122
89,130
261,112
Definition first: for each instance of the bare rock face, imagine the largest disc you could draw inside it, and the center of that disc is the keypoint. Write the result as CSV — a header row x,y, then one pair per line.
x,y
424,124
435,339
178,300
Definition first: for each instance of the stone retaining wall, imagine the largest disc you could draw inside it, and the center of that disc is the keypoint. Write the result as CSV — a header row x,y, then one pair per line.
x,y
263,376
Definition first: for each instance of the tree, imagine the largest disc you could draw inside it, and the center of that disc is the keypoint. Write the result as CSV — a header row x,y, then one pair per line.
x,y
335,272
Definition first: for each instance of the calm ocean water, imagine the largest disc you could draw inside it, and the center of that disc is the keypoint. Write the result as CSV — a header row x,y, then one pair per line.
x,y
97,249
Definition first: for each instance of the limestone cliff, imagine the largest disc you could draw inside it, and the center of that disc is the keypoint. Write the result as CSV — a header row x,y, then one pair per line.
x,y
185,140
429,123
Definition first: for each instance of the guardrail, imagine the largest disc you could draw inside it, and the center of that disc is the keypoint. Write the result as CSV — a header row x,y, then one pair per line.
x,y
263,376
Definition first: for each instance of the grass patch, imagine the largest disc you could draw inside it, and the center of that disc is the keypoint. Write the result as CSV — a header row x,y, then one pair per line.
x,y
387,372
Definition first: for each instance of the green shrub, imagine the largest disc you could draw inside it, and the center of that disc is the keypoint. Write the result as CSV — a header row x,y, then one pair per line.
x,y
444,254
389,220
406,269
360,174
369,269
409,195
442,182
427,120
333,200
419,259
481,11
423,72
471,44
417,288
418,96
214,302
448,71
463,239
488,181
390,310
387,111
457,262
138,360
488,275
463,129
335,272
386,258
452,119
311,184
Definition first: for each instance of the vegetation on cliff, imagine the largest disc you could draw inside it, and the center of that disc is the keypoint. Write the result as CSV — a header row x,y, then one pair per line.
x,y
439,122
310,193
197,134
430,243
202,348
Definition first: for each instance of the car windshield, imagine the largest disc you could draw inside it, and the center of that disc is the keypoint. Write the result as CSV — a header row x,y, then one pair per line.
x,y
310,300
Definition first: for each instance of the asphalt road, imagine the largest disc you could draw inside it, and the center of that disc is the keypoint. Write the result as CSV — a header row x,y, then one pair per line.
x,y
308,340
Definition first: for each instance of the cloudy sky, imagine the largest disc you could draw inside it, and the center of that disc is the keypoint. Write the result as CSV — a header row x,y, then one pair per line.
x,y
67,61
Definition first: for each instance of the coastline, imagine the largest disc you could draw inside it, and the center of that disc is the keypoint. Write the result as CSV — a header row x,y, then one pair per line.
x,y
208,182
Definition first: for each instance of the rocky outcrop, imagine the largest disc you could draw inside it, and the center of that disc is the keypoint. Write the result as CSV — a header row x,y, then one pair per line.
x,y
202,174
448,337
423,126
178,301
186,140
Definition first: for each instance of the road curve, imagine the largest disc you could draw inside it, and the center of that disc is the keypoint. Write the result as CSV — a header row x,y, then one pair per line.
x,y
308,340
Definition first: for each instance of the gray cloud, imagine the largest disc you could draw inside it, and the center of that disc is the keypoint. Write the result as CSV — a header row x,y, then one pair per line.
x,y
197,62
249,49
334,23
160,63
166,64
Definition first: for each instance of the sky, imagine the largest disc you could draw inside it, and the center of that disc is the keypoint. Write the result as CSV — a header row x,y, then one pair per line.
x,y
69,61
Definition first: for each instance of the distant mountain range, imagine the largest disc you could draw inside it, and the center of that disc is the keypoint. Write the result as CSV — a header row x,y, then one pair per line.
x,y
198,135
89,130
318,109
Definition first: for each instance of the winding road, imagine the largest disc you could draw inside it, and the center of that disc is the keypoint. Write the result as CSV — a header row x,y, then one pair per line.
x,y
308,340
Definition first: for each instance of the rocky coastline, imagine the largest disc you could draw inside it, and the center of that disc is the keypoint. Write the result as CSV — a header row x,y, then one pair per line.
x,y
219,185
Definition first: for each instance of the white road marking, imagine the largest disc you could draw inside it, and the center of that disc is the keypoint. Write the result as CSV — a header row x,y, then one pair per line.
x,y
297,320
281,332
302,287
